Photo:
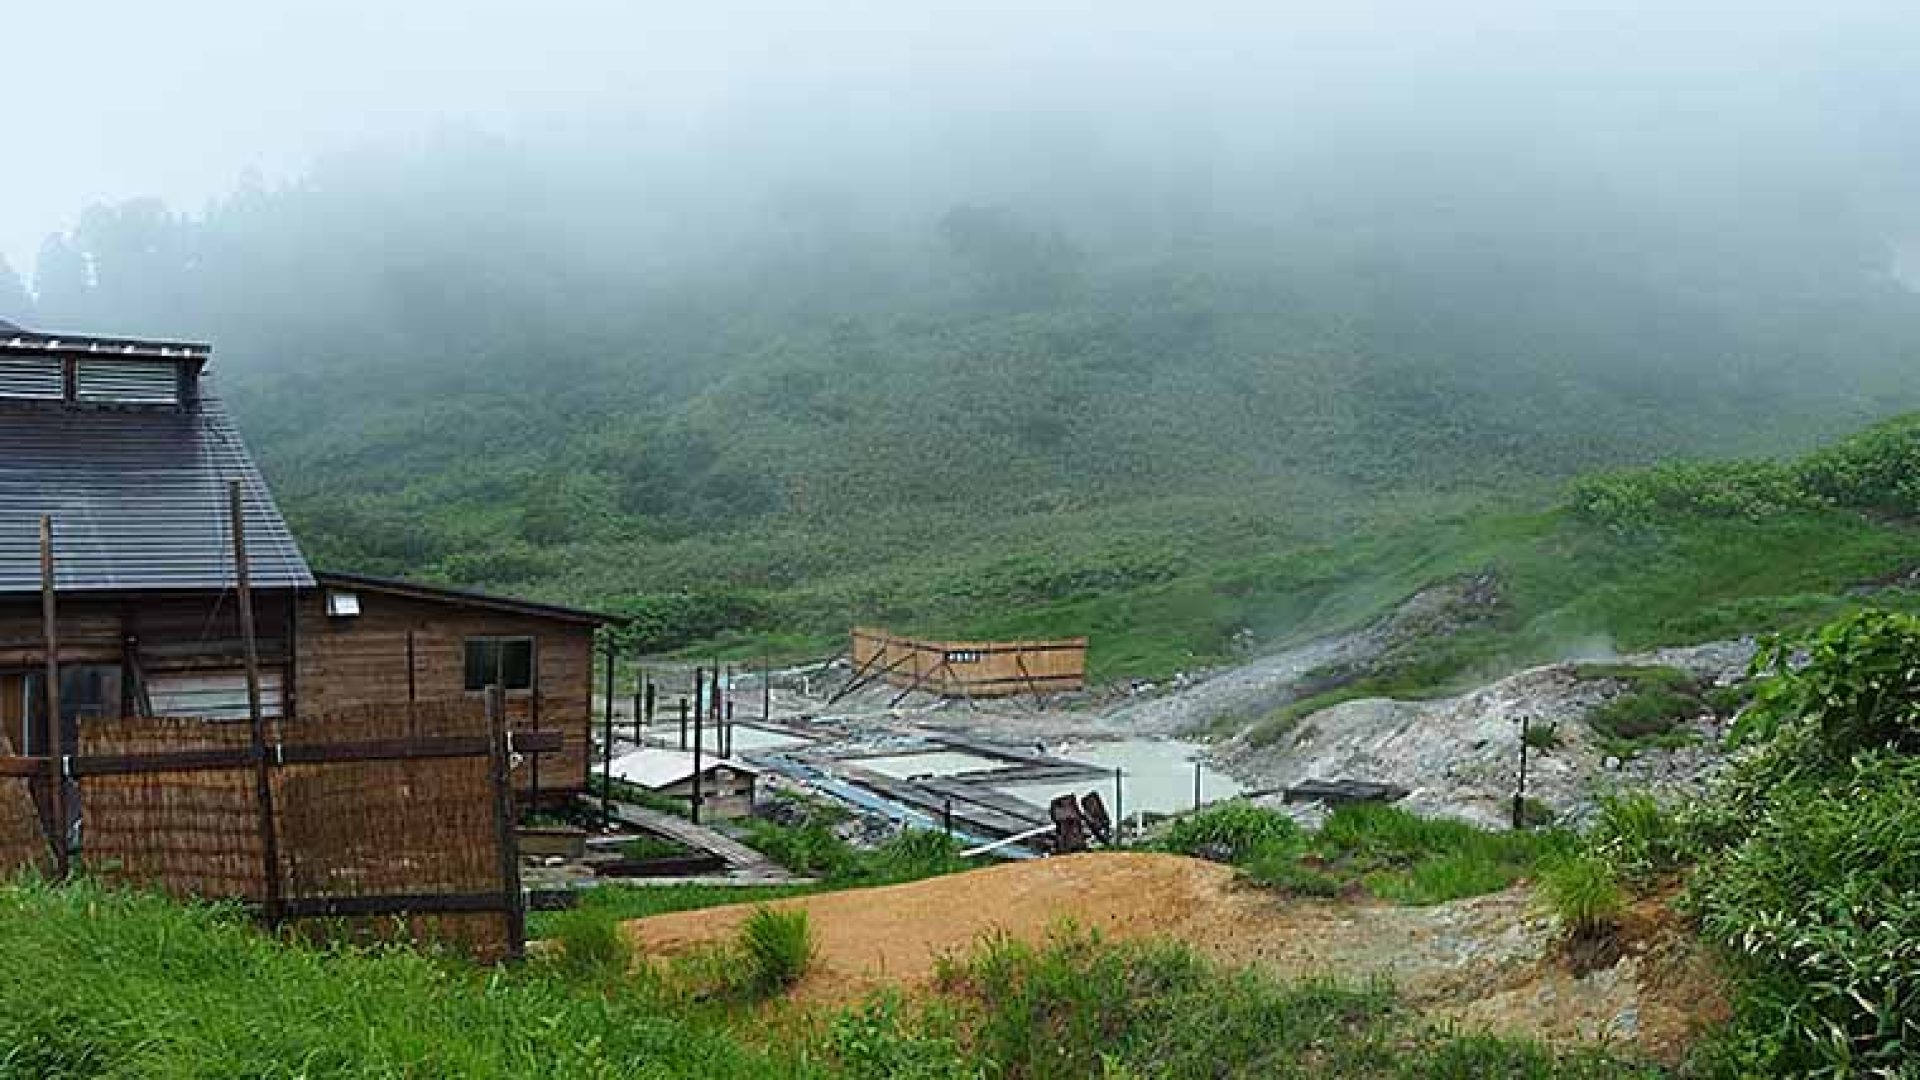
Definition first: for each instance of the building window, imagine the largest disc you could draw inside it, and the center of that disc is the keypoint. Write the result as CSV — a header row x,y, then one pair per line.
x,y
502,661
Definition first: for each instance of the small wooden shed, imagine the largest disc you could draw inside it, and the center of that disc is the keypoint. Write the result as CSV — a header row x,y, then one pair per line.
x,y
726,784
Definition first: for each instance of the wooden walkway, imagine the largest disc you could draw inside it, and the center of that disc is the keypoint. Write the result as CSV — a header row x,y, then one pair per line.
x,y
742,861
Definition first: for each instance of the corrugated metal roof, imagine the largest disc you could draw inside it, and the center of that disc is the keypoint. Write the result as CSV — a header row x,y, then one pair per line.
x,y
655,768
139,501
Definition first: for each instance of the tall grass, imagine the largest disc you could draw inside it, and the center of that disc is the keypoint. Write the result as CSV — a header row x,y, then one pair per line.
x,y
778,948
1395,854
102,983
1583,891
1077,1006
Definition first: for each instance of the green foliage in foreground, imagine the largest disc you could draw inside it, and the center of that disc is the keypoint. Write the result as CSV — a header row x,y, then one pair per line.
x,y
1805,860
113,984
1075,1006
1394,854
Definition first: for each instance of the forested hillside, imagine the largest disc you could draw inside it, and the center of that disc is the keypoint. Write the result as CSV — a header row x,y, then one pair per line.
x,y
776,409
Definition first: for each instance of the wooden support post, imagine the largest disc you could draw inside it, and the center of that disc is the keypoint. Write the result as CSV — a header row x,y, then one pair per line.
x,y
505,838
413,689
640,696
694,805
606,751
651,687
1196,785
57,833
1520,790
766,687
1119,809
683,725
533,717
1020,662
262,768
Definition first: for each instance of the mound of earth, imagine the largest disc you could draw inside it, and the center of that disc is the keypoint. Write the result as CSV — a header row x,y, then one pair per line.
x,y
1489,962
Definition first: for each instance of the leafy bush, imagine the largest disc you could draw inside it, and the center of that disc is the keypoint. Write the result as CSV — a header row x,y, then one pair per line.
x,y
1229,832
1823,900
1859,686
877,1040
1878,469
592,948
916,854
1581,889
778,948
811,847
1648,712
1644,498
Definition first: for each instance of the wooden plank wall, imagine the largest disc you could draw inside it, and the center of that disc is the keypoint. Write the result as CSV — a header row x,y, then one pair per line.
x,y
361,662
972,668
192,637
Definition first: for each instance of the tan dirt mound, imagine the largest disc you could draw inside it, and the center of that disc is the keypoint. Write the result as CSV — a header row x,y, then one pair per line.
x,y
1489,962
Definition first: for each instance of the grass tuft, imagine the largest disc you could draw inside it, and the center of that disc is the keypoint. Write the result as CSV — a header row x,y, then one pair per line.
x,y
778,948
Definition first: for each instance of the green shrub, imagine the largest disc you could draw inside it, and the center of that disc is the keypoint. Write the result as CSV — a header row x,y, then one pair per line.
x,y
1228,831
1410,859
1543,737
916,854
1277,865
1643,714
1637,835
812,847
1582,890
591,946
878,1040
1823,900
778,948
1859,686
1877,470
1637,499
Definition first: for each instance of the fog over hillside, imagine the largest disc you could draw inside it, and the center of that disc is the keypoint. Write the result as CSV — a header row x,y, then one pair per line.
x,y
596,302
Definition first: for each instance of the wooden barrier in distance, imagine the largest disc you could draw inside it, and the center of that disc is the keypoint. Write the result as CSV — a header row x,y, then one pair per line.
x,y
972,669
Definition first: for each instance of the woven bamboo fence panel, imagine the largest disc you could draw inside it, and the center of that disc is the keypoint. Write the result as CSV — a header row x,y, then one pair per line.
x,y
189,834
972,668
393,828
346,829
23,844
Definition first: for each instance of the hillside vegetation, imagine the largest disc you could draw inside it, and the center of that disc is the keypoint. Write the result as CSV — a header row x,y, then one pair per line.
x,y
960,410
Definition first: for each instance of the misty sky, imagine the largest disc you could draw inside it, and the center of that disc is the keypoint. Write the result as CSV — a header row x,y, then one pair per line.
x,y
114,100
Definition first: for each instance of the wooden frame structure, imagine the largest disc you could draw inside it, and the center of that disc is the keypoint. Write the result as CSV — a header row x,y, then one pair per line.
x,y
969,669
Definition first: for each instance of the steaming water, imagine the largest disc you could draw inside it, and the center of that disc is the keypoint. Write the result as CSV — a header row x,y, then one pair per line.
x,y
1157,776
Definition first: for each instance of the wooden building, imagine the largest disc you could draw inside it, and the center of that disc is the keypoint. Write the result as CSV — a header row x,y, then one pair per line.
x,y
727,785
366,640
969,668
119,444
